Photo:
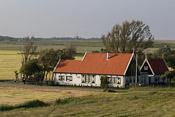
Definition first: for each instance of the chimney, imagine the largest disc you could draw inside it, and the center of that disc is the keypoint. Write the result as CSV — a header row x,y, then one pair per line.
x,y
107,57
84,56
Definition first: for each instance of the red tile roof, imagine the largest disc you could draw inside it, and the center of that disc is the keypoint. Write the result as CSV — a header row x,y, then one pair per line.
x,y
96,63
158,66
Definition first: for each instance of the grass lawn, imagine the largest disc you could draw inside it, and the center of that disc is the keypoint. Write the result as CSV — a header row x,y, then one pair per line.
x,y
127,103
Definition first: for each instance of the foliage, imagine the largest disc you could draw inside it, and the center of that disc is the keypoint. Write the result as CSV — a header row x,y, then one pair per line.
x,y
48,59
167,53
31,67
104,82
29,104
70,50
38,76
128,36
75,100
167,75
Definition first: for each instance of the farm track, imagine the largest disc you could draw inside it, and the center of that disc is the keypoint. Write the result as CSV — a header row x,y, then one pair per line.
x,y
17,85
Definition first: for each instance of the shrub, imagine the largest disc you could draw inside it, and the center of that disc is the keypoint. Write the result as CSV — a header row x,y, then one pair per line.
x,y
29,104
75,100
6,107
104,82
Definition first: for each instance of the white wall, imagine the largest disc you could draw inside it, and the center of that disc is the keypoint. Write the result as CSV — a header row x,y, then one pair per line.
x,y
77,80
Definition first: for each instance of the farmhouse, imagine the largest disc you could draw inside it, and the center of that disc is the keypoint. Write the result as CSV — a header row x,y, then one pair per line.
x,y
154,68
120,70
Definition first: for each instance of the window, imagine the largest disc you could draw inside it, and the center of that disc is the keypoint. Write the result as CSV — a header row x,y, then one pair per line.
x,y
145,67
68,78
83,78
114,80
88,78
61,78
109,79
118,81
93,78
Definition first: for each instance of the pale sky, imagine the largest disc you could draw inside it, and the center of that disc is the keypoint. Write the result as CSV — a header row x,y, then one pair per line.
x,y
88,18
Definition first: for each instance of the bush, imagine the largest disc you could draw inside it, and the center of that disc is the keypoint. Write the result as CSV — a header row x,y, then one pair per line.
x,y
6,107
104,82
110,90
75,100
29,104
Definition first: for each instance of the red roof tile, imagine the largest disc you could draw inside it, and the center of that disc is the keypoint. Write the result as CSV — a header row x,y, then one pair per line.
x,y
96,63
158,66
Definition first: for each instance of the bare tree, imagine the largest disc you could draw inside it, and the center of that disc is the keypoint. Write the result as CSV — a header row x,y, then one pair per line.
x,y
28,50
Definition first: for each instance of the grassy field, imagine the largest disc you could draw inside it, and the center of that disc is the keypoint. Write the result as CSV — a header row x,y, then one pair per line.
x,y
10,61
122,103
13,96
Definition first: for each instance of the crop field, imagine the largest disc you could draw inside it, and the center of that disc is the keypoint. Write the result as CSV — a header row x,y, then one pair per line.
x,y
148,102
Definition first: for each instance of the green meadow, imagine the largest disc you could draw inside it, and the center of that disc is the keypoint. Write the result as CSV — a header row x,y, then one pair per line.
x,y
53,103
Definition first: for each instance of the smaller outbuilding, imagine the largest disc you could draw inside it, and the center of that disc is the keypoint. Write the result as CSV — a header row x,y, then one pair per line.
x,y
153,69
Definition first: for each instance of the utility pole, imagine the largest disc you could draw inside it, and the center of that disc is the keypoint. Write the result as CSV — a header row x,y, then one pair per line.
x,y
136,77
136,71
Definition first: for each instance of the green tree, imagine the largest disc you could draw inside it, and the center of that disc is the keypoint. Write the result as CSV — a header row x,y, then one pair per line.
x,y
30,68
48,60
168,75
70,50
128,36
166,53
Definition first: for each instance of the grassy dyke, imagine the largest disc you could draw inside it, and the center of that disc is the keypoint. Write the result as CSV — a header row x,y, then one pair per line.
x,y
105,104
38,103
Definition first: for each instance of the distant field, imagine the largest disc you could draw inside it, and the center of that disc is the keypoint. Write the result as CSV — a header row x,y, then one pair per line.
x,y
82,46
123,103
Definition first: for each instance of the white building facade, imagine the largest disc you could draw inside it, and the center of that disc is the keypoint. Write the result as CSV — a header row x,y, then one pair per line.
x,y
120,70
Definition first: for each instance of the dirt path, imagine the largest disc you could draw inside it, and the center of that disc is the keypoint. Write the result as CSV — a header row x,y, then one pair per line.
x,y
48,87
19,85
